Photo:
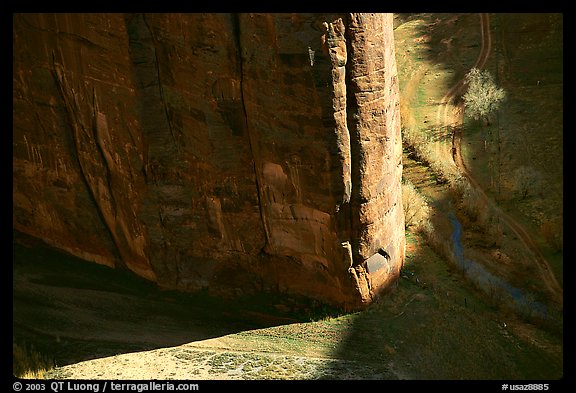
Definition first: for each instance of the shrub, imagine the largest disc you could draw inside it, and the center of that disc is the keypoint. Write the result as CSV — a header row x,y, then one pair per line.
x,y
552,232
28,363
472,202
416,210
494,230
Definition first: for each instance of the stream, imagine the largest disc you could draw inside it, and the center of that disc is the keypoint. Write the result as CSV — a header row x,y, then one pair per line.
x,y
488,281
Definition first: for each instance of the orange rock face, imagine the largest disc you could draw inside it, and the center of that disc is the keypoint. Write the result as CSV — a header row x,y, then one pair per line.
x,y
238,153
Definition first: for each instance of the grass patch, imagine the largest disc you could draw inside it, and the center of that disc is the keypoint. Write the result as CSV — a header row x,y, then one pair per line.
x,y
28,362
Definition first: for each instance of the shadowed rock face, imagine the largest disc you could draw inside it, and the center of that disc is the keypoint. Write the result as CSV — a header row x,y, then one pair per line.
x,y
237,153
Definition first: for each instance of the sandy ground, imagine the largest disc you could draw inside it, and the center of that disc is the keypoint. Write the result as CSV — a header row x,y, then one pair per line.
x,y
188,362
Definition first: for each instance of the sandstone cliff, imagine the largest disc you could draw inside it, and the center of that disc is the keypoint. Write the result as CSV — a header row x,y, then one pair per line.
x,y
237,153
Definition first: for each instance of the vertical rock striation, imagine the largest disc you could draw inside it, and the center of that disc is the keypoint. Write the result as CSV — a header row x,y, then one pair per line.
x,y
374,125
237,153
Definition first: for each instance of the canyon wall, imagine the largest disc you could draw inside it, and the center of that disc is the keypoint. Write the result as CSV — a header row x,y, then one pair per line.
x,y
238,153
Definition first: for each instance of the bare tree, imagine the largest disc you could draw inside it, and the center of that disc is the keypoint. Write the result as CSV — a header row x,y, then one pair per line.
x,y
527,180
483,96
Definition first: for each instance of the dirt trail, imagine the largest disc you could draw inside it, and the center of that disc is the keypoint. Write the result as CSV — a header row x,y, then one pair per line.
x,y
452,119
451,115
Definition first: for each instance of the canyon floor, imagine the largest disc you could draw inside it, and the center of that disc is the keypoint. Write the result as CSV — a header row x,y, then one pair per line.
x,y
110,326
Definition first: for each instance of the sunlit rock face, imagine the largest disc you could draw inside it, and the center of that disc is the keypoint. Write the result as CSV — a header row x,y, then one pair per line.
x,y
238,153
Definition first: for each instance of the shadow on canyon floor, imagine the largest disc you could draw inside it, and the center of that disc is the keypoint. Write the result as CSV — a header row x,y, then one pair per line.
x,y
435,326
72,310
442,321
